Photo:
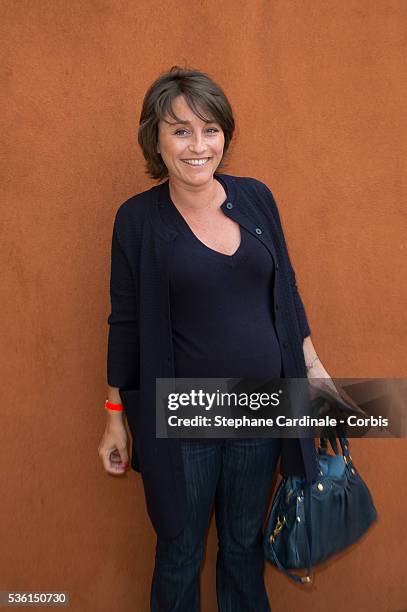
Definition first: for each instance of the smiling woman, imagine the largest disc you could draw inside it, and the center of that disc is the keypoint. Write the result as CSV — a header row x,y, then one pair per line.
x,y
184,112
201,287
197,149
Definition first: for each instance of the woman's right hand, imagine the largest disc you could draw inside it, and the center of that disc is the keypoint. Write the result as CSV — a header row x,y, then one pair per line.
x,y
113,445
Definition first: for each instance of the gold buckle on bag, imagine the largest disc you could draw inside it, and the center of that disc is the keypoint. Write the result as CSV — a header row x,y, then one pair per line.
x,y
279,525
306,578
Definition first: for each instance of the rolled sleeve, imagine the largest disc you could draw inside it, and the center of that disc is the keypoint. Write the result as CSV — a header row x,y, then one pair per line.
x,y
299,306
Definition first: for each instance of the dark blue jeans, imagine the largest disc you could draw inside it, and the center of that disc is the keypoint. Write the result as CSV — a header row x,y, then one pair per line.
x,y
237,475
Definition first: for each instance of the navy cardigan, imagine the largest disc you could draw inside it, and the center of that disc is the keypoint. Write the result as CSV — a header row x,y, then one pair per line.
x,y
140,339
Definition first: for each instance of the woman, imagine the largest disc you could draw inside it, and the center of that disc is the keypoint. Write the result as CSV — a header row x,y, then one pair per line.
x,y
201,286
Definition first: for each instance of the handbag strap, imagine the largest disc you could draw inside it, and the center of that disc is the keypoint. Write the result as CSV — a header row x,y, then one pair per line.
x,y
308,543
330,435
344,443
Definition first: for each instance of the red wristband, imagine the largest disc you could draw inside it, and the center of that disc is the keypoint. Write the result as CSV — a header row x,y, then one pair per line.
x,y
111,406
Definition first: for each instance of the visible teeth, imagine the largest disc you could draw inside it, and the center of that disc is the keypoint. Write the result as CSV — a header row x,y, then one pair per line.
x,y
196,162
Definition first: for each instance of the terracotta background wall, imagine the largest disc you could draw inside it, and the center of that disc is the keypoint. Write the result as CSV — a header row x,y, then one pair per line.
x,y
319,91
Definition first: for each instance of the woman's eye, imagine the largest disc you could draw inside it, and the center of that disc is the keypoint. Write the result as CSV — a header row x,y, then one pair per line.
x,y
177,132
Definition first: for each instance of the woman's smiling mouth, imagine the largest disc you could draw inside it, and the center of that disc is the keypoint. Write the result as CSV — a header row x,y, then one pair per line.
x,y
196,162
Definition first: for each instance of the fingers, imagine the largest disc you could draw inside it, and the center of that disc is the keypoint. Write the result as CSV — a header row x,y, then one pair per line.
x,y
113,462
123,456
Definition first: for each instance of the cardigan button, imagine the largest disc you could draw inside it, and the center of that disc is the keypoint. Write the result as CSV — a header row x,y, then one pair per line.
x,y
229,205
277,266
285,344
258,231
277,306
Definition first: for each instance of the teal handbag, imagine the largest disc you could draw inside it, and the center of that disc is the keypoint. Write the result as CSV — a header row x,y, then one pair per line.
x,y
309,522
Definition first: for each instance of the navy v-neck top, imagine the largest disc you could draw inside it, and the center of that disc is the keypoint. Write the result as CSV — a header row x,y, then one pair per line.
x,y
221,306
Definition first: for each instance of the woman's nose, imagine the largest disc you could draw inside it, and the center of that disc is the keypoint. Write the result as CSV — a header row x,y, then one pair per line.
x,y
198,145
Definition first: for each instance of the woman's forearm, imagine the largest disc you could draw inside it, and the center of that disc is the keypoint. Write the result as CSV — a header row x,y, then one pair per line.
x,y
315,368
310,353
113,395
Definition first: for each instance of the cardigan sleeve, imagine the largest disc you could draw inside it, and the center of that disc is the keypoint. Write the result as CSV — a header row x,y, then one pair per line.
x,y
123,338
299,306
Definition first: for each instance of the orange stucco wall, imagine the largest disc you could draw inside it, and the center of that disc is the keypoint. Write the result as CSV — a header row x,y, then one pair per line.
x,y
319,89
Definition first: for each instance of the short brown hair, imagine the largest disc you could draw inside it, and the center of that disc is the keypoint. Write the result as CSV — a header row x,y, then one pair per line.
x,y
198,89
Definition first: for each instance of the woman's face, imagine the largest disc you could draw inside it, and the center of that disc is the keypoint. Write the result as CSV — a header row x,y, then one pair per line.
x,y
193,140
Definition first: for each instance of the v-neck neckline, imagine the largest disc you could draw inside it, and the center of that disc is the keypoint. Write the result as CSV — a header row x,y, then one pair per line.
x,y
189,230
